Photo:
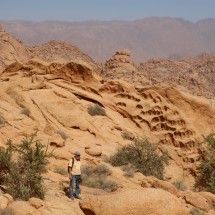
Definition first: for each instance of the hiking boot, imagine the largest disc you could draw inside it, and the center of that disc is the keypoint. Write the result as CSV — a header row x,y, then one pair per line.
x,y
72,198
78,197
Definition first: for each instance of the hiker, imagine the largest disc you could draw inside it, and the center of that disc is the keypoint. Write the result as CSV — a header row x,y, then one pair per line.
x,y
74,169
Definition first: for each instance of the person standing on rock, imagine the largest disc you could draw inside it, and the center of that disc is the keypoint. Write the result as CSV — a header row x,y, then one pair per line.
x,y
74,169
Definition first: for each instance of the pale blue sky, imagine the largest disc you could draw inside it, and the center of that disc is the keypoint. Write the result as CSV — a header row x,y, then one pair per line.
x,y
75,10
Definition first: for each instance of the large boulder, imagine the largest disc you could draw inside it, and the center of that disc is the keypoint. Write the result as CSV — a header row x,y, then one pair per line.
x,y
93,151
151,181
136,202
197,200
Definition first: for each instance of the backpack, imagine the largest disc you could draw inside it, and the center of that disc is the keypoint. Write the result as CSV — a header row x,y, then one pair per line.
x,y
70,166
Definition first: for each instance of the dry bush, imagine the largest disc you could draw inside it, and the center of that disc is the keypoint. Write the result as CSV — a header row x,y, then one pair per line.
x,y
179,185
96,110
60,171
128,171
97,177
195,211
6,212
26,112
2,121
63,134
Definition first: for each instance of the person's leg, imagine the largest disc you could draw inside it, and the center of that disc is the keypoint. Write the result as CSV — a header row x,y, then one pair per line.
x,y
77,190
71,187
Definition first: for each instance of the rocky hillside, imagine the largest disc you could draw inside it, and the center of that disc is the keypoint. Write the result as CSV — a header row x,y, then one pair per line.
x,y
12,50
57,97
146,38
59,51
195,75
52,96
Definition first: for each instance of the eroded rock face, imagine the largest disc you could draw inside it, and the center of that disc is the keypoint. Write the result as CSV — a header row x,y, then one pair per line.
x,y
11,50
60,51
197,200
120,59
136,202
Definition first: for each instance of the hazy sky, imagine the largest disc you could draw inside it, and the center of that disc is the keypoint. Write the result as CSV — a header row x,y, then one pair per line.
x,y
73,10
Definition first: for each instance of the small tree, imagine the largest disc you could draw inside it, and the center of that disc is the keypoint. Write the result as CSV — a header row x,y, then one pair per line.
x,y
22,172
206,178
143,156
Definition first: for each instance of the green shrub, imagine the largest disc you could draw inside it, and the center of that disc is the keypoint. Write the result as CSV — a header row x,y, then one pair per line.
x,y
180,185
6,161
206,178
60,171
96,110
2,121
6,212
195,211
23,176
142,156
26,112
97,177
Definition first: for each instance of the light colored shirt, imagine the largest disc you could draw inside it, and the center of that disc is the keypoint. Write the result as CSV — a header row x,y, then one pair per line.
x,y
76,168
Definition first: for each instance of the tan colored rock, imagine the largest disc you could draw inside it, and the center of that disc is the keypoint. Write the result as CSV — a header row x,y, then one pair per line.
x,y
196,200
35,202
135,202
11,50
49,129
156,183
23,208
9,197
93,151
124,52
209,196
3,202
57,140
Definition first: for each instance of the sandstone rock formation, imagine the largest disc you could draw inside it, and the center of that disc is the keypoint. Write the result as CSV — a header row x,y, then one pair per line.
x,y
53,98
136,202
60,51
12,50
194,75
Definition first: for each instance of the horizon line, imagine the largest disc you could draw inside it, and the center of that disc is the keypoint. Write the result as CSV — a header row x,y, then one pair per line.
x,y
109,20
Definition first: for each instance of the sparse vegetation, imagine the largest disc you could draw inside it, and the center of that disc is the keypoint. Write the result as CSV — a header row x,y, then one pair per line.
x,y
26,112
128,171
2,121
63,135
97,177
127,136
22,167
60,171
206,178
142,156
6,212
96,110
180,185
195,211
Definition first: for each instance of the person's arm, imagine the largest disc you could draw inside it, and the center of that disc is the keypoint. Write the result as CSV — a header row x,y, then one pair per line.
x,y
70,173
70,168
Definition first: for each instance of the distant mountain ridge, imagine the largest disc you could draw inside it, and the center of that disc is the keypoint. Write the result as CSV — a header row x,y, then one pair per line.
x,y
146,38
